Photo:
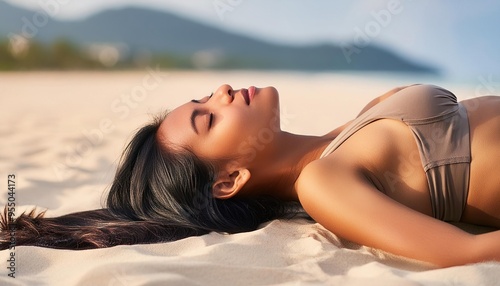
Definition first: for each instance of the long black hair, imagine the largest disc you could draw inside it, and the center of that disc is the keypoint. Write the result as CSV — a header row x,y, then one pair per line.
x,y
157,195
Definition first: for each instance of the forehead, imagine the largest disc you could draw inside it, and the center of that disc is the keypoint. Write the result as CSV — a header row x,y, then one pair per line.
x,y
176,127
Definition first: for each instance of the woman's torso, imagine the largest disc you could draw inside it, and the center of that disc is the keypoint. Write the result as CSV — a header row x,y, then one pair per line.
x,y
387,151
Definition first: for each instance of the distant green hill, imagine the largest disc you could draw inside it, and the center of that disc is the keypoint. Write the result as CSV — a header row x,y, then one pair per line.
x,y
137,34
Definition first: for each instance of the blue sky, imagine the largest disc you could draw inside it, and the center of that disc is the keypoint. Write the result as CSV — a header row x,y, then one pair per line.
x,y
458,36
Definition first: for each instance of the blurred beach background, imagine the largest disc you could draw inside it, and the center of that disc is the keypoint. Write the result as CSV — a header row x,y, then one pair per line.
x,y
78,77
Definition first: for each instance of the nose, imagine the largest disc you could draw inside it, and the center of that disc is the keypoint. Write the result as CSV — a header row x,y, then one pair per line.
x,y
225,92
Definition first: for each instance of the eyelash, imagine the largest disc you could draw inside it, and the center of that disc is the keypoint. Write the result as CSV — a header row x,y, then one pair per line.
x,y
211,115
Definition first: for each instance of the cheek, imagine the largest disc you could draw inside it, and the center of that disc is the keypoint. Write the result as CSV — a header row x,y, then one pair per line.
x,y
237,131
227,138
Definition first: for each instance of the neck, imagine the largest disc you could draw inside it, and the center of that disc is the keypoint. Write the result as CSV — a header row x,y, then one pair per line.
x,y
288,155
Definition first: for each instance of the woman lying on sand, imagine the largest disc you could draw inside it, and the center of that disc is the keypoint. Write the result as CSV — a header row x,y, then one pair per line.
x,y
390,179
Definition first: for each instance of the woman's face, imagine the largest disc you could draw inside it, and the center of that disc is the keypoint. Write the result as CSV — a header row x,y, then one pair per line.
x,y
225,126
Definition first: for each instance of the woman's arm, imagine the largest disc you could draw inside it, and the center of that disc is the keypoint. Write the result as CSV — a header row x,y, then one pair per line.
x,y
347,204
381,98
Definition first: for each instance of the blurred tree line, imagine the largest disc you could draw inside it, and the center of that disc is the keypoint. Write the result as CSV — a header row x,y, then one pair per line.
x,y
60,54
21,54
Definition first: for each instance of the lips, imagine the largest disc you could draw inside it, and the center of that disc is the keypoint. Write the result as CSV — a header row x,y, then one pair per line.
x,y
251,92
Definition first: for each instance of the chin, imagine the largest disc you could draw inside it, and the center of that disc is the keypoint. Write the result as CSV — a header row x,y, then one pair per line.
x,y
271,90
272,95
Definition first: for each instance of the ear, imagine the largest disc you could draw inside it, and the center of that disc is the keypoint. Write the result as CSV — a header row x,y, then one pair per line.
x,y
229,185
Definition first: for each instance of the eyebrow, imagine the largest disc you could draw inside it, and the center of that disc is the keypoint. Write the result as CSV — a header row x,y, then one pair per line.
x,y
195,113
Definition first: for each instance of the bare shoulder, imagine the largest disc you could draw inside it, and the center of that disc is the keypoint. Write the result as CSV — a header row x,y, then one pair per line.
x,y
327,174
338,195
314,171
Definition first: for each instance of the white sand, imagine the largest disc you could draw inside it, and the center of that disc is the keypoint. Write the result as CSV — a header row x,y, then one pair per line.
x,y
63,132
